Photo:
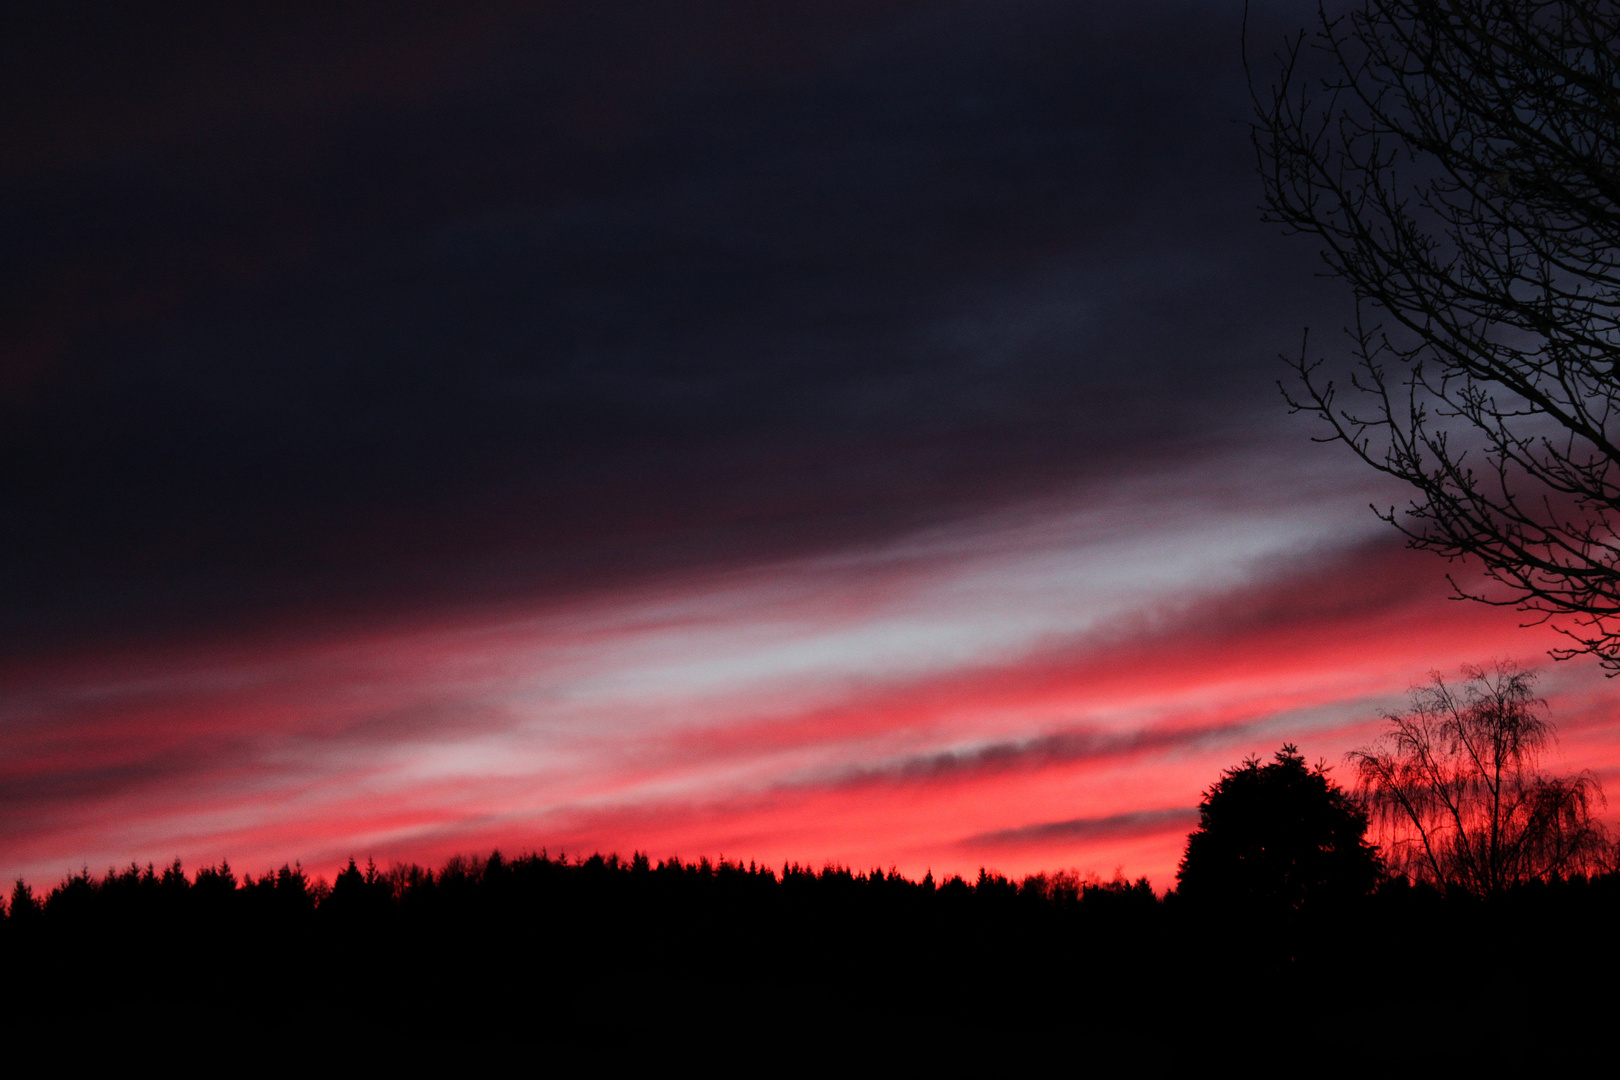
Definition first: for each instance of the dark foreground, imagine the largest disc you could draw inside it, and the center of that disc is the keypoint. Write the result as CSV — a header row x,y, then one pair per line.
x,y
635,957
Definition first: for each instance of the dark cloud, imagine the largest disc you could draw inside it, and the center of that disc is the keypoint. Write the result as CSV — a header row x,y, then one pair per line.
x,y
41,794
1112,827
1049,750
391,307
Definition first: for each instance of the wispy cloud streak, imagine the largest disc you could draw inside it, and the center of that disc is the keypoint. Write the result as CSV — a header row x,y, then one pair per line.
x,y
878,704
1130,824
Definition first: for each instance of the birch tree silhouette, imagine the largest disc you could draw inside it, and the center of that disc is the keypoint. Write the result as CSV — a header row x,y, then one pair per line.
x,y
1454,788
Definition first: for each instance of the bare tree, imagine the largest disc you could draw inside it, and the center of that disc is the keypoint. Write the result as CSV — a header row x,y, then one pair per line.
x,y
1459,161
1454,789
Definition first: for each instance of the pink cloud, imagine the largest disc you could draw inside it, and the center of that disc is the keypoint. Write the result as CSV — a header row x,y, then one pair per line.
x,y
1017,695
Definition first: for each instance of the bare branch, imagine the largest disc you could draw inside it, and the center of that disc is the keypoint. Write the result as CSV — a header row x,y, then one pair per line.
x,y
1459,162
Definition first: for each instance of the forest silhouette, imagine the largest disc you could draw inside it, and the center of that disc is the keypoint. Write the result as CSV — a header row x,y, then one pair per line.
x,y
635,951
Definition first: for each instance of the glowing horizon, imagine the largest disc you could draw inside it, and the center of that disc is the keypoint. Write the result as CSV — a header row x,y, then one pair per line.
x,y
799,433
1041,689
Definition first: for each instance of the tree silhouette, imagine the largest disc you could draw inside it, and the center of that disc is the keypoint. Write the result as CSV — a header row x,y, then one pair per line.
x,y
1455,788
1459,162
1277,836
23,904
545,946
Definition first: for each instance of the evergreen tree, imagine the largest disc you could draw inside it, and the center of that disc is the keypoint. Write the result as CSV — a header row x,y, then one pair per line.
x,y
1277,835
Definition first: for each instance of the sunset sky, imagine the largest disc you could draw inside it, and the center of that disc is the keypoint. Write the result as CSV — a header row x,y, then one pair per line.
x,y
783,430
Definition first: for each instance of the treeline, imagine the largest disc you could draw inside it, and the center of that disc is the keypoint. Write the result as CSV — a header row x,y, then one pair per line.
x,y
540,943
546,946
406,891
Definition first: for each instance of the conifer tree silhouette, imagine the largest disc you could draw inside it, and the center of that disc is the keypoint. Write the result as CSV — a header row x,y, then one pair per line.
x,y
1277,836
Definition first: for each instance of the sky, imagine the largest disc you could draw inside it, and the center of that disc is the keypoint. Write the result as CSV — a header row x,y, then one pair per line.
x,y
807,431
